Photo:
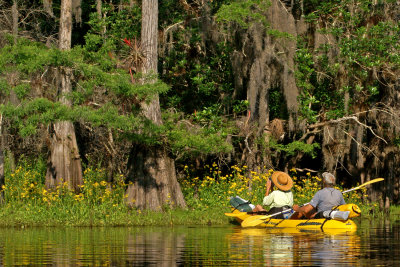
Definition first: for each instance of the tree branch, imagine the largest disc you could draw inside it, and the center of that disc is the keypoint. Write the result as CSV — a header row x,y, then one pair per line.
x,y
351,117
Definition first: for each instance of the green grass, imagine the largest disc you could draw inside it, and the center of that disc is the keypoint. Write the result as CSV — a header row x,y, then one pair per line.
x,y
13,214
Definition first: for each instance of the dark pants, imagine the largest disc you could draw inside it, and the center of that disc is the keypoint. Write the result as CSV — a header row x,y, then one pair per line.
x,y
275,210
319,215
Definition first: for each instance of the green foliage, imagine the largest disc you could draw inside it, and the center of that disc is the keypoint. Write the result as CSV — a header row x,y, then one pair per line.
x,y
304,73
40,111
29,57
191,144
366,47
22,90
4,87
317,94
171,12
210,117
183,141
294,147
240,106
199,78
396,142
187,140
277,106
244,13
97,50
116,25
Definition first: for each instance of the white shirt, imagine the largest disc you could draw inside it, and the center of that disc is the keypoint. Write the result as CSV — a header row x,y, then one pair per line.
x,y
278,198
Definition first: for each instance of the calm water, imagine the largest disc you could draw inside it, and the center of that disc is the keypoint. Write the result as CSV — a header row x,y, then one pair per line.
x,y
375,244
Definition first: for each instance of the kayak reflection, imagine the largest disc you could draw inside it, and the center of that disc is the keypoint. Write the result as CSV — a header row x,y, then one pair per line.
x,y
279,247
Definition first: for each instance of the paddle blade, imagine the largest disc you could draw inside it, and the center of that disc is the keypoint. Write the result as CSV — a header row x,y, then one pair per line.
x,y
371,182
254,220
364,184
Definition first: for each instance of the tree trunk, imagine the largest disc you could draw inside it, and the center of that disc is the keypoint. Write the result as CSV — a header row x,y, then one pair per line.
x,y
14,15
100,15
64,164
2,182
150,169
14,12
98,8
48,7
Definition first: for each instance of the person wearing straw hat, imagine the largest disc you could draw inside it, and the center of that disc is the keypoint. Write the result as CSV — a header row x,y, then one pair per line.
x,y
324,200
279,199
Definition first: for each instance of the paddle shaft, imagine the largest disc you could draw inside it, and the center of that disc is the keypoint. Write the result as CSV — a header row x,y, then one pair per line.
x,y
237,214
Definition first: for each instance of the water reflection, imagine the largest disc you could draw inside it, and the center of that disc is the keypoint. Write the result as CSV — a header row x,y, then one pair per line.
x,y
288,247
89,247
198,246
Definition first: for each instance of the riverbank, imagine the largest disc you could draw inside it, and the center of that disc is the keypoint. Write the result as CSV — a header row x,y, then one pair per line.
x,y
28,216
15,215
27,202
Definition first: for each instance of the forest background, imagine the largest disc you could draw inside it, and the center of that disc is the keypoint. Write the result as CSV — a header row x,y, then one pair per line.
x,y
113,108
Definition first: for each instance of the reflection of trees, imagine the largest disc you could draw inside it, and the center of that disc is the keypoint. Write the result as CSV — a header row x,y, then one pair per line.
x,y
90,247
154,248
381,243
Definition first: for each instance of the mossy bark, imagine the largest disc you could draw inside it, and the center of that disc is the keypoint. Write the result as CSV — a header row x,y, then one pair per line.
x,y
262,62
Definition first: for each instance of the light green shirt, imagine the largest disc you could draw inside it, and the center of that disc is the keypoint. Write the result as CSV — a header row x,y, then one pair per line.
x,y
278,198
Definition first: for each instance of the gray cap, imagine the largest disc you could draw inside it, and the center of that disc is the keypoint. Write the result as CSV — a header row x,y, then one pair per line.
x,y
329,178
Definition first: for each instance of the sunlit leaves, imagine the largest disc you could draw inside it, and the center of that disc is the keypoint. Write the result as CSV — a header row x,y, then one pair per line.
x,y
244,13
295,147
40,111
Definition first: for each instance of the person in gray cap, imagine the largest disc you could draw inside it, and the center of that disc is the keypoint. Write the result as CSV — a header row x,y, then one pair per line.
x,y
325,199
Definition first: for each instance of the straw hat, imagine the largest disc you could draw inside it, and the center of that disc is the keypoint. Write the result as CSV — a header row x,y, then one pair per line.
x,y
282,180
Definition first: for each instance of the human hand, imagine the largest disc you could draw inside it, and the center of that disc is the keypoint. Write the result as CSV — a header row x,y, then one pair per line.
x,y
296,207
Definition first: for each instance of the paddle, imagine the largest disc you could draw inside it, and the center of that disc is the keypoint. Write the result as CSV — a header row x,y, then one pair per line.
x,y
235,214
364,184
258,219
240,213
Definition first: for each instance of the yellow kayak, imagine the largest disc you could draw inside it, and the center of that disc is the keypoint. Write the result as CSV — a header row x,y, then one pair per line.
x,y
310,224
305,224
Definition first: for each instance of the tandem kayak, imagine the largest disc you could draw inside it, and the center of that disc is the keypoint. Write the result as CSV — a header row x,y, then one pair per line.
x,y
304,224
